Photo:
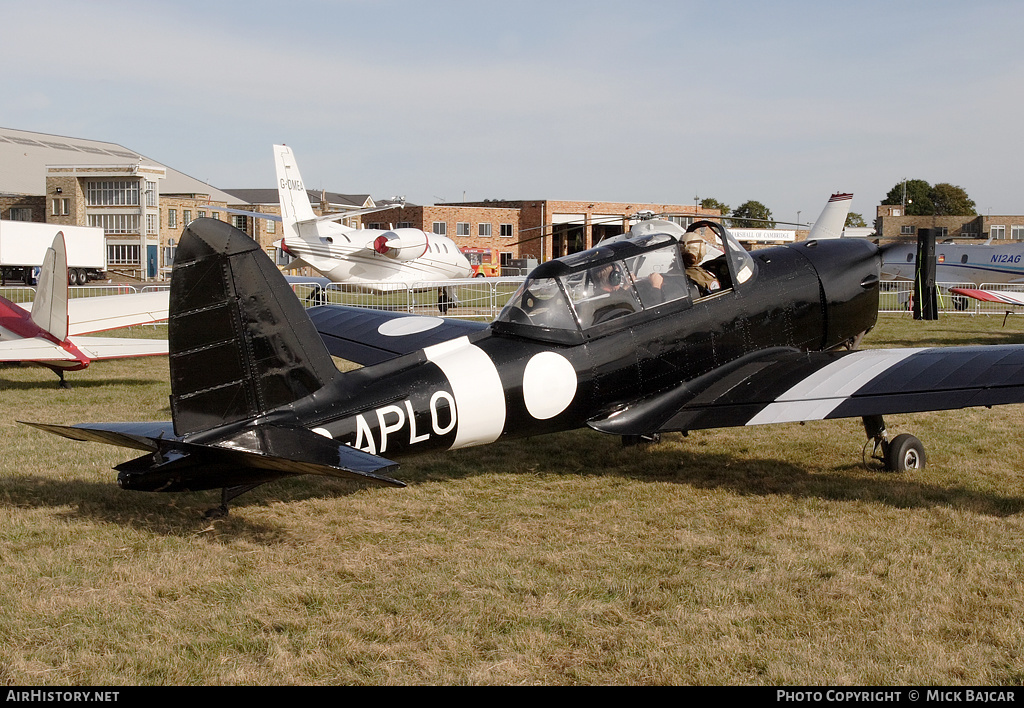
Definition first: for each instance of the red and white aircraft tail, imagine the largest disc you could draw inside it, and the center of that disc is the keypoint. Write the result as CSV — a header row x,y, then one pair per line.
x,y
48,334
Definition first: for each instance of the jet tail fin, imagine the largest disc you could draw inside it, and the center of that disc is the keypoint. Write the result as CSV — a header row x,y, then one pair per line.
x,y
291,192
832,221
50,306
240,341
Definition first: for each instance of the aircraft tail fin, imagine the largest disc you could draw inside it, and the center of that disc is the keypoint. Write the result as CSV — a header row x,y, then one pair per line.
x,y
291,191
240,341
50,306
832,220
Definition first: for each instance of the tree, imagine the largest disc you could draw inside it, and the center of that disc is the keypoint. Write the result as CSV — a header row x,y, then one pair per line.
x,y
752,215
950,200
922,199
854,219
712,203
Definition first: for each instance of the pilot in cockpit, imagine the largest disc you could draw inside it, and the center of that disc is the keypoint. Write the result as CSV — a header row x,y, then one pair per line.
x,y
705,281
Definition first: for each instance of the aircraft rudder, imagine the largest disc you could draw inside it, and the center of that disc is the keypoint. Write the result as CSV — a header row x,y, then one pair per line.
x,y
240,341
50,306
294,201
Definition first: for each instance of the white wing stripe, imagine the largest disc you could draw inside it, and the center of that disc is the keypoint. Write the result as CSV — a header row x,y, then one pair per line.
x,y
822,392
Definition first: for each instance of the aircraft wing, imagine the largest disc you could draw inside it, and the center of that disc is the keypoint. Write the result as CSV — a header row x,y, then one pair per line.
x,y
119,347
366,336
96,314
33,349
785,385
1006,297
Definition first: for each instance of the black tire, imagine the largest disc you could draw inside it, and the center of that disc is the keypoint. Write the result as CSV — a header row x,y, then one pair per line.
x,y
72,277
905,452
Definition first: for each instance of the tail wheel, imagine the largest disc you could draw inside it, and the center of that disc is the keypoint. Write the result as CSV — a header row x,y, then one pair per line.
x,y
904,452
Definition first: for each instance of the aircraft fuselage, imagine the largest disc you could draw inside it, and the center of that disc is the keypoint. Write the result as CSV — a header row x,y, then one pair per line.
x,y
496,384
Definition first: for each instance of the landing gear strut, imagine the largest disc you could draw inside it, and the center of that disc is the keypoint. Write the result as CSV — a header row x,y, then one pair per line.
x,y
904,452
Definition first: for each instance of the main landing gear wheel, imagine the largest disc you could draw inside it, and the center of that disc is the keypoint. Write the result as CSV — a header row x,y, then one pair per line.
x,y
904,452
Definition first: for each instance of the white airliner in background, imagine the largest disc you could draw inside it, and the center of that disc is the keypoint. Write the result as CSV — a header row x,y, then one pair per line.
x,y
383,259
959,262
344,254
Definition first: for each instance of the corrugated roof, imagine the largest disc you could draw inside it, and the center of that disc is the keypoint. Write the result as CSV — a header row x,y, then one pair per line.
x,y
24,156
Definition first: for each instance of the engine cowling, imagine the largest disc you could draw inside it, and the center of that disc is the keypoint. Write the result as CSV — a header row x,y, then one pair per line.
x,y
401,244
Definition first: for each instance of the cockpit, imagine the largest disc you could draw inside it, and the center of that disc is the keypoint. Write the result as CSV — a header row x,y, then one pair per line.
x,y
592,292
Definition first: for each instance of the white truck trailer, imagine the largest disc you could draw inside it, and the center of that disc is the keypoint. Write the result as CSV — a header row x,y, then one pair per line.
x,y
23,245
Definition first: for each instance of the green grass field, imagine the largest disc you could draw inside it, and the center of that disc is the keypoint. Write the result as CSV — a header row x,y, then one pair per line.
x,y
767,555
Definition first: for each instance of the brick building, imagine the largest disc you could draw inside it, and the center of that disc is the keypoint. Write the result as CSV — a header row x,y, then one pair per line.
x,y
891,224
540,229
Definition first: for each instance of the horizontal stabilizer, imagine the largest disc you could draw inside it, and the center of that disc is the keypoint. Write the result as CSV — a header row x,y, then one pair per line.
x,y
119,347
251,455
98,314
137,436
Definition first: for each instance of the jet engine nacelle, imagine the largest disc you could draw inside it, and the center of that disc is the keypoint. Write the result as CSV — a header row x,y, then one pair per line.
x,y
401,244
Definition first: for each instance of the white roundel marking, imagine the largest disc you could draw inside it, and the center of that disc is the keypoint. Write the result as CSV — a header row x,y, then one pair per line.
x,y
401,326
549,385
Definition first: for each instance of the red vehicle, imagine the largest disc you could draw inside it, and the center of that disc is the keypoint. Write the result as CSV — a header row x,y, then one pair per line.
x,y
485,261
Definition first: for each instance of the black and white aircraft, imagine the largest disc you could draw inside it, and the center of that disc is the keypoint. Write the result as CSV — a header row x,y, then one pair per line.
x,y
617,338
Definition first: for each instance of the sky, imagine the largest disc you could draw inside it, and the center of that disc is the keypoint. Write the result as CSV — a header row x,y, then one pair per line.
x,y
782,102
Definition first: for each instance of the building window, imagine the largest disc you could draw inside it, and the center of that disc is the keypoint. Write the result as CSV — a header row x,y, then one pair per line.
x,y
112,193
116,223
505,230
997,232
942,232
505,257
151,194
484,230
172,218
238,222
462,228
440,228
61,206
907,230
186,215
271,226
405,224
169,251
21,214
122,254
1017,233
684,221
152,227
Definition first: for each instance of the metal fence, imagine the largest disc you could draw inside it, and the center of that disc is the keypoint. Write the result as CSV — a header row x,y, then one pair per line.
x,y
469,298
23,293
483,298
896,296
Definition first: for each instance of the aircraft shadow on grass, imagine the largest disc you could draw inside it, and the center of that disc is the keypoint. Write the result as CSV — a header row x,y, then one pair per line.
x,y
13,385
603,456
